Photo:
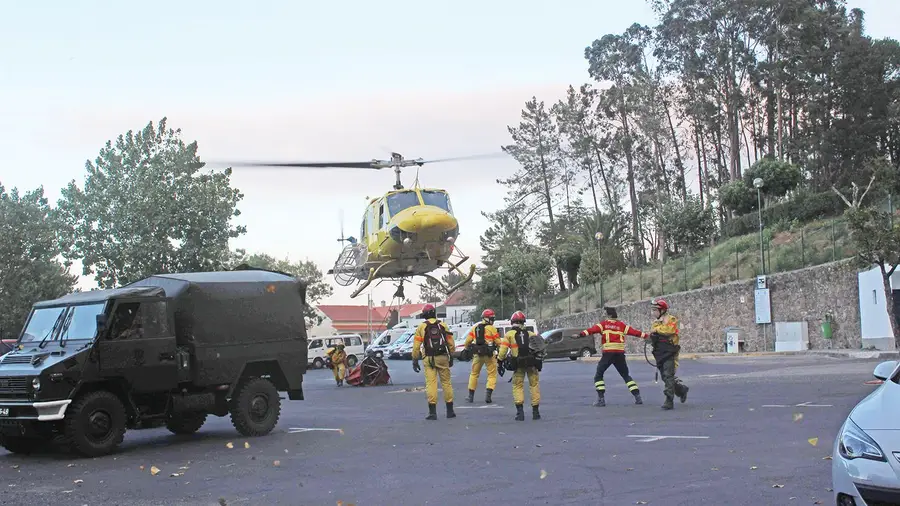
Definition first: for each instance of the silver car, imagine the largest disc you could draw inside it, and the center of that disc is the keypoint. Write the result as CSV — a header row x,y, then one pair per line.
x,y
865,467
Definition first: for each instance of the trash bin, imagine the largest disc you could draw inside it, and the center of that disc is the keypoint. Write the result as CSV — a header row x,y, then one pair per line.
x,y
826,326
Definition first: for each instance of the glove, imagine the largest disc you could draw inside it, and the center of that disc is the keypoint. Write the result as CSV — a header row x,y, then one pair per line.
x,y
416,367
451,360
644,335
584,333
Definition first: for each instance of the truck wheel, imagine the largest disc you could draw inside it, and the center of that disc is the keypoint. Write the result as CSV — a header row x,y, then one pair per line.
x,y
255,407
318,363
95,424
186,423
23,445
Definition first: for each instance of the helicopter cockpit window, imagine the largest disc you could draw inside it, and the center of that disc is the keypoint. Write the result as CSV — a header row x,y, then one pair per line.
x,y
437,199
400,201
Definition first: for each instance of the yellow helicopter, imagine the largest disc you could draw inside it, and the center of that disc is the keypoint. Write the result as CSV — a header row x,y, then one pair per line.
x,y
404,233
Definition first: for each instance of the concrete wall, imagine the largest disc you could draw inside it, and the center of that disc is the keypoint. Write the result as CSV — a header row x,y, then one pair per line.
x,y
801,295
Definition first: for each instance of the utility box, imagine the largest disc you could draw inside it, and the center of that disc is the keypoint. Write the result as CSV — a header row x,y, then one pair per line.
x,y
791,336
733,340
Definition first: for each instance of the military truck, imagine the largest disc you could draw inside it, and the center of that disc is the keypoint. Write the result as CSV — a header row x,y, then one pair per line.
x,y
168,351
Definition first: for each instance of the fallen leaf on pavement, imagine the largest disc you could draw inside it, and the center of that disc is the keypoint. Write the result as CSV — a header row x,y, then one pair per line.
x,y
78,482
714,469
246,444
753,468
15,467
176,475
222,501
640,502
798,417
154,470
813,441
543,474
277,463
141,468
777,486
827,458
229,445
183,468
71,465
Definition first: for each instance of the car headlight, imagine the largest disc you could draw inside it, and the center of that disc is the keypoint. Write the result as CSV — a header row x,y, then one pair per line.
x,y
36,384
856,444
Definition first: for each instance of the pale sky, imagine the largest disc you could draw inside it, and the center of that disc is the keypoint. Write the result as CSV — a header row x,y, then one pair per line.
x,y
290,80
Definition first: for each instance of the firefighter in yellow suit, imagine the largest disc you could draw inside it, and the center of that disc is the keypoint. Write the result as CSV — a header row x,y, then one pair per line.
x,y
526,361
666,347
433,341
482,340
338,363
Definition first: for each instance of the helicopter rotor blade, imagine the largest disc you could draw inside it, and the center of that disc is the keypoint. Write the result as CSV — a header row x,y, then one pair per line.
x,y
314,165
470,157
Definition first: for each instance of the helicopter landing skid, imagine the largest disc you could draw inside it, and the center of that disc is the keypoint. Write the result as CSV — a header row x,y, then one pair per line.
x,y
373,273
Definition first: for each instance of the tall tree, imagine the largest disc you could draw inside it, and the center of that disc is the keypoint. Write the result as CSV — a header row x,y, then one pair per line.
x,y
147,208
536,147
29,251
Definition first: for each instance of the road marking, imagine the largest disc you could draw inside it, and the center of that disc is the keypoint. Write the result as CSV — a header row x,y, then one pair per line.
x,y
873,382
486,406
297,430
801,405
716,375
649,439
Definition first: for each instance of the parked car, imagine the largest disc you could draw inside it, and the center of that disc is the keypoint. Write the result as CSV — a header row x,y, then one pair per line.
x,y
403,345
865,465
353,346
380,346
567,342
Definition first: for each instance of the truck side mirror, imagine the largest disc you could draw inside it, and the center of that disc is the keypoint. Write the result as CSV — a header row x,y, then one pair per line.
x,y
101,321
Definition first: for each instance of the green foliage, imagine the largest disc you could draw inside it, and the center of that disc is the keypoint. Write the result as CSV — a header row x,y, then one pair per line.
x,y
523,274
147,208
778,177
738,197
690,224
804,207
432,292
29,271
876,236
305,270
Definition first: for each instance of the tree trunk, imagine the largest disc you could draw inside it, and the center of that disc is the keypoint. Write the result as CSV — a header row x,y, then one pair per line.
x,y
632,190
593,188
549,202
613,203
677,154
889,301
699,163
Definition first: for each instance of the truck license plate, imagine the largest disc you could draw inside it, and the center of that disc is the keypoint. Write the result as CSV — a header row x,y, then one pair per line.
x,y
4,411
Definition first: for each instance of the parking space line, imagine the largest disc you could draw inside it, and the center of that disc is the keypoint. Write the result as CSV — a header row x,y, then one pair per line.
x,y
807,404
644,438
486,406
297,430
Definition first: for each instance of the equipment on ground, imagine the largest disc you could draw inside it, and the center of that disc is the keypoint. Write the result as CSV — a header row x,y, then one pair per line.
x,y
168,350
372,371
406,232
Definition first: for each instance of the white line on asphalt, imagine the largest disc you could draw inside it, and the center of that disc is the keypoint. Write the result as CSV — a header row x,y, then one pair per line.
x,y
807,404
649,439
297,430
486,406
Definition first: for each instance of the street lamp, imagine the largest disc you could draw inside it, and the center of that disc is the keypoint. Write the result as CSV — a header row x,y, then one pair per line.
x,y
758,183
500,270
599,237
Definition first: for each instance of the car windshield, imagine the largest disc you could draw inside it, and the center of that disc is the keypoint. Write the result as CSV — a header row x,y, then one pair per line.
x,y
437,199
82,323
402,200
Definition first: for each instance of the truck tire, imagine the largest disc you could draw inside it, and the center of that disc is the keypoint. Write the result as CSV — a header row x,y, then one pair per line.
x,y
318,363
22,445
95,424
186,423
255,407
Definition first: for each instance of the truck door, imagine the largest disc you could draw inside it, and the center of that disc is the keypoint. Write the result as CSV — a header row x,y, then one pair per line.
x,y
140,346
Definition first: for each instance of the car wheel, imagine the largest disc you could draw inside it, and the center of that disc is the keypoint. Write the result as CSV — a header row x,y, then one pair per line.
x,y
21,445
185,423
351,360
95,424
255,407
318,363
586,353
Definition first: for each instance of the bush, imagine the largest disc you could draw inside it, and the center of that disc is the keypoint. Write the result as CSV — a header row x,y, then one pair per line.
x,y
804,207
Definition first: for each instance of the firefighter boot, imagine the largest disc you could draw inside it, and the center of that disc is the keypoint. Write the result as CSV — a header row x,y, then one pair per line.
x,y
601,401
487,395
450,412
471,398
535,413
682,396
432,412
668,404
520,413
637,398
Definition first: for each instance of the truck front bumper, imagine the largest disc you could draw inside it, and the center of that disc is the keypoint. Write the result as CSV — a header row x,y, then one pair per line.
x,y
44,411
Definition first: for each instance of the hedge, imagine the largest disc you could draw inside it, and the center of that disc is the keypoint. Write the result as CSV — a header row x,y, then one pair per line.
x,y
804,207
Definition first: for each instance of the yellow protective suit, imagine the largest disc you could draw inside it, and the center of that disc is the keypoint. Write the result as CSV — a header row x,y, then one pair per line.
x,y
438,365
508,345
338,364
491,338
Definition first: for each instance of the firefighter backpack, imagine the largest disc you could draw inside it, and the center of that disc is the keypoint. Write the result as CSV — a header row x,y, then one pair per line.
x,y
435,339
480,346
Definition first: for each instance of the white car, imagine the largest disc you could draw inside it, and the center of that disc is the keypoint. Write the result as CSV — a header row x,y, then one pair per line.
x,y
865,467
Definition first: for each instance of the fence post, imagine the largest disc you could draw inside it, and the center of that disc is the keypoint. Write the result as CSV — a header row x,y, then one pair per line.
x,y
641,281
709,263
622,287
833,242
684,270
802,248
737,262
662,280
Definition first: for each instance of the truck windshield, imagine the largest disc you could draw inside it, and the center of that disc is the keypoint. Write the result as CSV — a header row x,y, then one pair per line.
x,y
82,323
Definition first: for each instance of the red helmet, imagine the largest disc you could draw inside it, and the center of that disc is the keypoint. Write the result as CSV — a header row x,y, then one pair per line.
x,y
428,311
488,314
517,317
660,304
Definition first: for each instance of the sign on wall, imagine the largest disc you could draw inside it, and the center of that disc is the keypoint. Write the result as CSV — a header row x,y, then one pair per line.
x,y
763,306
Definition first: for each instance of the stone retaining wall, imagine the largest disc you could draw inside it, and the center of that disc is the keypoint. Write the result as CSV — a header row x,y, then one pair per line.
x,y
801,295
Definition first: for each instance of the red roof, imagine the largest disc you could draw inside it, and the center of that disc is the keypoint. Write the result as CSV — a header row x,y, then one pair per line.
x,y
356,318
454,300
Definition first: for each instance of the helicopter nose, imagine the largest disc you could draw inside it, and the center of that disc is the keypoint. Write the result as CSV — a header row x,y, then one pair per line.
x,y
426,225
429,222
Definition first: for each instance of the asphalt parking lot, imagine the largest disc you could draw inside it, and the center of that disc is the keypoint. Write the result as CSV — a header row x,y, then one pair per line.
x,y
745,436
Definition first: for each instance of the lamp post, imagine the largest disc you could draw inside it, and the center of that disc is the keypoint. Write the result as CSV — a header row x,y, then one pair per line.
x,y
599,237
500,270
758,183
